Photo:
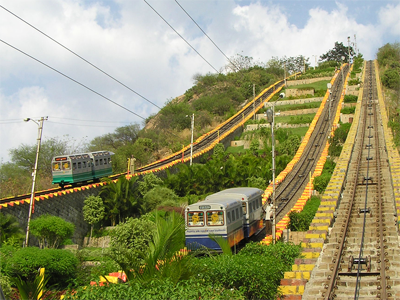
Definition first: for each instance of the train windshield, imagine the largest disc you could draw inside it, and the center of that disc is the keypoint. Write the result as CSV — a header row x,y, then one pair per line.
x,y
66,165
57,166
215,218
195,218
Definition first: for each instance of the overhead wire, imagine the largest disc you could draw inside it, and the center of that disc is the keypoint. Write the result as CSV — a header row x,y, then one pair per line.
x,y
181,37
80,125
207,35
77,82
85,60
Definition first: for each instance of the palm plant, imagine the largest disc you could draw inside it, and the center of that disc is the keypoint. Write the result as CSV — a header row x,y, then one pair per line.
x,y
162,259
31,289
119,197
10,229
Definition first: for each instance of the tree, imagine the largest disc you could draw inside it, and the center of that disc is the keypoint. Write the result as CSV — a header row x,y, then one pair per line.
x,y
10,231
239,62
131,239
337,52
122,136
93,211
388,53
119,198
157,196
149,182
51,231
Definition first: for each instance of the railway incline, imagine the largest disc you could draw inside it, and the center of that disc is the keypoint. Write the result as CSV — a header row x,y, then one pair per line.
x,y
354,235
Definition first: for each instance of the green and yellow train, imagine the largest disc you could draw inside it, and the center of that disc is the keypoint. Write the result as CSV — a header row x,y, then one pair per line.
x,y
80,168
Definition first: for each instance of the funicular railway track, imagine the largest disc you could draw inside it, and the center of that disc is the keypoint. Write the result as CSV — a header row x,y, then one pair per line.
x,y
197,147
291,188
359,260
214,135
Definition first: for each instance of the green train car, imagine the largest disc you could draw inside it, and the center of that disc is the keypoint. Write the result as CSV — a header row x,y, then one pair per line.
x,y
80,168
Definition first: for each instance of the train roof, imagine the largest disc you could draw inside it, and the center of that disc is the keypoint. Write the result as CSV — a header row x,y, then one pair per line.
x,y
224,202
243,192
85,155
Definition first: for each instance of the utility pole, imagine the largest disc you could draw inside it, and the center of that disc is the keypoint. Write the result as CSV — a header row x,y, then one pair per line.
x,y
254,105
191,141
31,203
348,43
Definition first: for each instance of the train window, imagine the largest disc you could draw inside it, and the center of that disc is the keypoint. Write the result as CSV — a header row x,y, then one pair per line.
x,y
109,160
67,165
215,218
84,164
79,165
74,166
233,216
195,218
228,217
237,213
57,166
101,161
244,208
105,161
97,162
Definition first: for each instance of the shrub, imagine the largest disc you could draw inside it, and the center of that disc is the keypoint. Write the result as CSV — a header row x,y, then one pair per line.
x,y
157,196
350,99
391,79
256,270
60,265
131,239
191,289
51,231
300,221
348,110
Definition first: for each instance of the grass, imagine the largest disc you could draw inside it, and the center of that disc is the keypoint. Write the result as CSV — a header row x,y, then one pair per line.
x,y
235,150
297,119
301,131
319,85
298,106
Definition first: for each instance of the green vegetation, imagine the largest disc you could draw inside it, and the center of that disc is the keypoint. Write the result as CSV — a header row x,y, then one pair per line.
x,y
350,99
51,231
223,276
93,211
296,106
296,119
60,265
348,110
321,182
338,139
300,221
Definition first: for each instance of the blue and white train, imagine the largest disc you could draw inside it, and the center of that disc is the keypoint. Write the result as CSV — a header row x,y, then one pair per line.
x,y
234,214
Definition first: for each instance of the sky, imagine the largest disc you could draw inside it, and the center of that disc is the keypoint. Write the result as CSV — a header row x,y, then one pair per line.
x,y
130,41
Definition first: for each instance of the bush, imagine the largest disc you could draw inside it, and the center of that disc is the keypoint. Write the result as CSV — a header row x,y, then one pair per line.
x,y
391,79
60,265
256,270
321,182
350,99
157,196
131,239
300,221
51,231
348,110
191,289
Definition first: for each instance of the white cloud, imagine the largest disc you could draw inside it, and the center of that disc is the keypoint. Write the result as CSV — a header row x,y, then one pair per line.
x,y
390,18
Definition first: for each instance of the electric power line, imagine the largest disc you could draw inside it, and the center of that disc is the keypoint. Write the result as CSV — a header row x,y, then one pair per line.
x,y
207,36
96,121
81,84
105,73
181,36
81,125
